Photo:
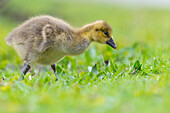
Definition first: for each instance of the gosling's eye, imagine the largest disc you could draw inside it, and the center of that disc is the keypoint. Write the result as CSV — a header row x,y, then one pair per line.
x,y
106,33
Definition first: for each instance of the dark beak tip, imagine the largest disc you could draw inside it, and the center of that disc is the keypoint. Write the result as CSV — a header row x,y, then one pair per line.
x,y
115,47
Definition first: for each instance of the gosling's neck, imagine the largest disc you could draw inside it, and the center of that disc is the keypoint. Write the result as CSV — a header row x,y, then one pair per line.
x,y
81,40
86,31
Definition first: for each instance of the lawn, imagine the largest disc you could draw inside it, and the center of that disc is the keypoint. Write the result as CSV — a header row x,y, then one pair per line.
x,y
136,79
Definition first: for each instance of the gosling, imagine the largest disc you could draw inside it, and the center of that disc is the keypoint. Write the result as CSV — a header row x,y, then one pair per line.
x,y
45,40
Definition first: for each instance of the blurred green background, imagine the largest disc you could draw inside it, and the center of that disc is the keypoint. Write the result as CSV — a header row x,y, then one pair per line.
x,y
141,34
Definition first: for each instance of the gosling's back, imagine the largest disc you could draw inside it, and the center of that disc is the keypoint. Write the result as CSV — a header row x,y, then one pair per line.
x,y
37,36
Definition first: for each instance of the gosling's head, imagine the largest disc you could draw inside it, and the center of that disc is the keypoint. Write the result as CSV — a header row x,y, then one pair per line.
x,y
101,32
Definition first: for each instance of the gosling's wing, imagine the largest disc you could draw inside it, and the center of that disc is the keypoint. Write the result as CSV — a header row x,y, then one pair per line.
x,y
46,40
54,33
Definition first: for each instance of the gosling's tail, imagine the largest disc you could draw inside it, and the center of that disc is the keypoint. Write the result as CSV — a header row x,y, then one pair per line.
x,y
8,40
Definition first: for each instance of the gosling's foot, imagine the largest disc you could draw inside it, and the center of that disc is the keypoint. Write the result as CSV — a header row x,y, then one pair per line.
x,y
56,79
21,78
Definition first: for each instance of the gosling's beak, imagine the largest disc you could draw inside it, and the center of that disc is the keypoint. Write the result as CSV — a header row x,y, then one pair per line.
x,y
111,43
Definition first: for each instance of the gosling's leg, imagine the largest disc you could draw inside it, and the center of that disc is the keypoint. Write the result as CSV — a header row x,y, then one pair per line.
x,y
24,70
54,70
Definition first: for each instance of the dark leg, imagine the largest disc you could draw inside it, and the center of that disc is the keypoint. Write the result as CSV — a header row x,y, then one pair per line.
x,y
24,70
54,70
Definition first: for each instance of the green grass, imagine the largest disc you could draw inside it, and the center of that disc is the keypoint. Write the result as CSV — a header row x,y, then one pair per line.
x,y
135,81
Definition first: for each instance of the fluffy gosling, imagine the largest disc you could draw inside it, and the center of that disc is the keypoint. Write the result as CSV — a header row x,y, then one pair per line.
x,y
45,40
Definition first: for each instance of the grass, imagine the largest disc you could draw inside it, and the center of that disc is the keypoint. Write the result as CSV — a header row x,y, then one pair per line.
x,y
135,81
